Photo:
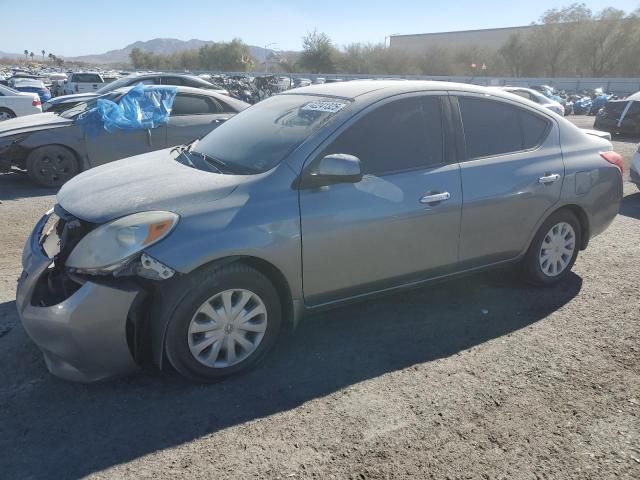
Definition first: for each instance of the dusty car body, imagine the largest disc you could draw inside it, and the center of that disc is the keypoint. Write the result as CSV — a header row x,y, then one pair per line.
x,y
69,100
54,147
310,199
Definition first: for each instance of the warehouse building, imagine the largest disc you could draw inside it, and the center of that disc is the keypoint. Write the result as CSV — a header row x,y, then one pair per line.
x,y
491,38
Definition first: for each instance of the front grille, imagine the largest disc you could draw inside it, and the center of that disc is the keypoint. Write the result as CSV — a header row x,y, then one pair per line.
x,y
69,230
60,236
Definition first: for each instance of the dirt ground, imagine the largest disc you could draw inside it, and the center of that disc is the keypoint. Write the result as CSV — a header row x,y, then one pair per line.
x,y
479,378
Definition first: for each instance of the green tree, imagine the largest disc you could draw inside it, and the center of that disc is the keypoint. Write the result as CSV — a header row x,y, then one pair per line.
x,y
514,53
318,53
26,55
602,40
553,40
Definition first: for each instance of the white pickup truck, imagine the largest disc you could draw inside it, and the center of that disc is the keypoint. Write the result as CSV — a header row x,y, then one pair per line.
x,y
84,82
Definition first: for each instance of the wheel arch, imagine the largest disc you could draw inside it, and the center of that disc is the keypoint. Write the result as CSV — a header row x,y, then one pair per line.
x,y
76,154
156,331
7,109
580,214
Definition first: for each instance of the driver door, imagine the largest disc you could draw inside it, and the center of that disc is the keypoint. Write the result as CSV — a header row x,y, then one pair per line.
x,y
104,147
383,231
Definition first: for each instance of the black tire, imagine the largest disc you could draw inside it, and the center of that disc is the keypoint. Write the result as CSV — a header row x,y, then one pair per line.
x,y
531,268
6,114
194,290
52,165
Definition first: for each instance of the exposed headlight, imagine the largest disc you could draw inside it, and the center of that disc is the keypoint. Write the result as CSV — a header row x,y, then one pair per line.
x,y
111,245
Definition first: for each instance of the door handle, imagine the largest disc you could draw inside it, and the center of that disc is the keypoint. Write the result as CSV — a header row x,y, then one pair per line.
x,y
548,179
435,198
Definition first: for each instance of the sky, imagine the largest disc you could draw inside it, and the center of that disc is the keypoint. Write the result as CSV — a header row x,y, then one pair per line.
x,y
81,27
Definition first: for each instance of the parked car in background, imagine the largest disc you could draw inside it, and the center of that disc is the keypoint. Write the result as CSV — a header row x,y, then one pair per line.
x,y
17,104
60,104
634,170
301,82
83,82
199,256
536,97
52,147
582,105
620,116
57,83
30,85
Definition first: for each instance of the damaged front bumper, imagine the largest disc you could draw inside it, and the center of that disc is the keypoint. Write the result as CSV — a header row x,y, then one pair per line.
x,y
84,336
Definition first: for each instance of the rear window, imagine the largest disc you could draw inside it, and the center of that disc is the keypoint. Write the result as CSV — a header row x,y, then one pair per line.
x,y
615,108
497,128
86,78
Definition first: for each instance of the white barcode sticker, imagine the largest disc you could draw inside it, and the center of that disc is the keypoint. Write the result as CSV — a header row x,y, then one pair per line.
x,y
329,107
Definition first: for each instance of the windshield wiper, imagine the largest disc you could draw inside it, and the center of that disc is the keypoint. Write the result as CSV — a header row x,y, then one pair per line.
x,y
211,160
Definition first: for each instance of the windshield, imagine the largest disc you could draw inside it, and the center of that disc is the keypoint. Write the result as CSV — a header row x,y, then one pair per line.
x,y
260,137
83,106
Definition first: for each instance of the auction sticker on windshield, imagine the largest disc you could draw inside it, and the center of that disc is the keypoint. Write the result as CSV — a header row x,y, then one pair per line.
x,y
329,107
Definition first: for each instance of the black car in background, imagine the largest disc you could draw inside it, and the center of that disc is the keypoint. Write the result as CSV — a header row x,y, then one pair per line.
x,y
65,102
620,116
53,147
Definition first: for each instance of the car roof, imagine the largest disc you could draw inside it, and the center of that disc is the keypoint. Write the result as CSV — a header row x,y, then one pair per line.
x,y
180,89
384,88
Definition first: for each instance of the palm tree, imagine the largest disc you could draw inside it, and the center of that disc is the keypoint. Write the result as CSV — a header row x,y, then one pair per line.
x,y
43,55
50,56
26,54
31,55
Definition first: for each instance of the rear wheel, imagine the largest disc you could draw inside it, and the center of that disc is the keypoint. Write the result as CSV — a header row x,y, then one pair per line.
x,y
227,320
51,166
554,249
6,114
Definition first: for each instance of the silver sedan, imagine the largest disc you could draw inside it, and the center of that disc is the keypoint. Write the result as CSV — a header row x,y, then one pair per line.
x,y
197,257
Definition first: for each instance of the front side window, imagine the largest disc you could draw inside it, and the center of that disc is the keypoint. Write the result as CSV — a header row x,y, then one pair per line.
x,y
194,105
496,128
402,135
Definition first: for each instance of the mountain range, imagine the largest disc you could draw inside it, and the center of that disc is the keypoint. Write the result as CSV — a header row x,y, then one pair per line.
x,y
157,45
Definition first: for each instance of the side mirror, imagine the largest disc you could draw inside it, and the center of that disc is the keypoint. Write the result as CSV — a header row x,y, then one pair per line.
x,y
334,168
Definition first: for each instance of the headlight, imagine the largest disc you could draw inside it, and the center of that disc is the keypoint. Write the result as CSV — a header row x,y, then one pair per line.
x,y
111,245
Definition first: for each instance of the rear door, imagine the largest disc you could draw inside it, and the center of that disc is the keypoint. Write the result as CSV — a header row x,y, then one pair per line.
x,y
390,228
511,172
193,116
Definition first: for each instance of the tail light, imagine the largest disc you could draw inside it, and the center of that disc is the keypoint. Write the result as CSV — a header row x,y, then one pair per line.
x,y
613,158
36,102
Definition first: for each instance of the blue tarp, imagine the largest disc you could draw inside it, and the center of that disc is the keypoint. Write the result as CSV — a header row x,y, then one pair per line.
x,y
142,107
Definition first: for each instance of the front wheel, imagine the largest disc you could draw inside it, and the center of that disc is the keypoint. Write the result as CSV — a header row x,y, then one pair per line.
x,y
52,165
553,250
227,320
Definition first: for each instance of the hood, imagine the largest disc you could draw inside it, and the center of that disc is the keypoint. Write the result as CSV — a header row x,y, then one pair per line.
x,y
77,98
31,123
153,181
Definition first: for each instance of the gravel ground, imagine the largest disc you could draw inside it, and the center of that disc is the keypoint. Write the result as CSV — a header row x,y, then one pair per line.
x,y
475,378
